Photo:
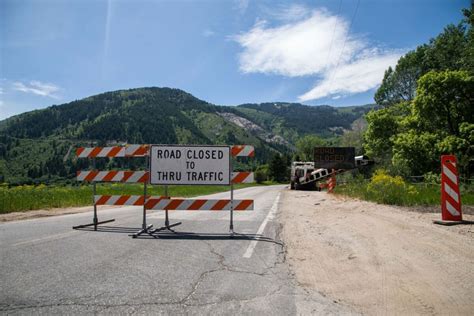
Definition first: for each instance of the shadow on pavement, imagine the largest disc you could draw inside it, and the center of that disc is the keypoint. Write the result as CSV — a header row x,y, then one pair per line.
x,y
180,235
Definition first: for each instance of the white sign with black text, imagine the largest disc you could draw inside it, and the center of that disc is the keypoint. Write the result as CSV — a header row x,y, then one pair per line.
x,y
190,164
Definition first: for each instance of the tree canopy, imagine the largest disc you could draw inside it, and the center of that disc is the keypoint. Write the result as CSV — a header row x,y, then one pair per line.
x,y
428,105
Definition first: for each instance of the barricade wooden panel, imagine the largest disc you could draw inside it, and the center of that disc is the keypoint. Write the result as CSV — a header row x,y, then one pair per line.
x,y
135,176
114,151
242,151
198,205
122,199
113,176
100,176
92,152
242,177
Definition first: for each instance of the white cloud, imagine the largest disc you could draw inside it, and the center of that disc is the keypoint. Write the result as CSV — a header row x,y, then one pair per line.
x,y
38,88
359,75
314,43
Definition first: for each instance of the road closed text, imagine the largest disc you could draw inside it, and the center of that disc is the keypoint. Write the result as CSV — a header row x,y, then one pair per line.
x,y
191,154
190,165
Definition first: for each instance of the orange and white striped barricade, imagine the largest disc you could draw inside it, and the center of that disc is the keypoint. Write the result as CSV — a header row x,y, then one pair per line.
x,y
243,151
132,200
242,177
112,152
331,182
145,176
169,204
198,205
95,176
113,176
451,212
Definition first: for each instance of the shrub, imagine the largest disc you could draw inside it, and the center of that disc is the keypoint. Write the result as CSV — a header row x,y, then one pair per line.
x,y
384,188
260,176
432,178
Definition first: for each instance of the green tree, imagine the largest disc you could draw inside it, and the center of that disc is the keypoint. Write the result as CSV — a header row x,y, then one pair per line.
x,y
448,51
462,146
444,100
278,170
440,120
382,126
305,146
437,82
414,153
400,84
469,51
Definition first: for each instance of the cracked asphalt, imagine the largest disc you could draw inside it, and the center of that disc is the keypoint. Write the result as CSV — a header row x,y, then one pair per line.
x,y
48,268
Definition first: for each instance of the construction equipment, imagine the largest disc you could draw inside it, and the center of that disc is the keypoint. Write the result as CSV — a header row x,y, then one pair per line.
x,y
304,174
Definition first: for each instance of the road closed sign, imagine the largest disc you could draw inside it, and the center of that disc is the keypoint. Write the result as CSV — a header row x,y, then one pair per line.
x,y
190,165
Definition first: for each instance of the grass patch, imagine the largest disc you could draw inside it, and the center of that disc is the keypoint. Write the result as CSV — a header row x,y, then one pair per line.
x,y
29,197
385,189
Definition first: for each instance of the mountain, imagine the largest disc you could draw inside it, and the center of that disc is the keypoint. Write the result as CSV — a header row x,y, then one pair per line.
x,y
37,145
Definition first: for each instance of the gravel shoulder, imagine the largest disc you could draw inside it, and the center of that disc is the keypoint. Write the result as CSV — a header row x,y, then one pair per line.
x,y
17,216
378,259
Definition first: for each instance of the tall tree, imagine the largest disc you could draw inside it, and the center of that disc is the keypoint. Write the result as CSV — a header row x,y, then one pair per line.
x,y
469,51
400,84
447,51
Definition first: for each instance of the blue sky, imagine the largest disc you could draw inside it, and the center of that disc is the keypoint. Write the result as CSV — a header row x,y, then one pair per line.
x,y
224,52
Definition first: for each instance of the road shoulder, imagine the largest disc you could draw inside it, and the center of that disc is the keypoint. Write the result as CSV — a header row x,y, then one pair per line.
x,y
376,258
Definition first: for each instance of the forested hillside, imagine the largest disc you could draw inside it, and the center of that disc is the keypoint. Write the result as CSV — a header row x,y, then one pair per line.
x,y
37,146
321,120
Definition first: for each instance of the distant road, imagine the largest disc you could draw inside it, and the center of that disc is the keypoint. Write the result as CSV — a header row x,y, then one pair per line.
x,y
46,267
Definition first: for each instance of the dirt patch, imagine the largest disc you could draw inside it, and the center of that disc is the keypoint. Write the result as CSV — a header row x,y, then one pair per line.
x,y
16,216
378,259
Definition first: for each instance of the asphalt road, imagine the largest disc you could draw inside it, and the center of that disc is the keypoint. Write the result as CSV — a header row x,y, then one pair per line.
x,y
48,268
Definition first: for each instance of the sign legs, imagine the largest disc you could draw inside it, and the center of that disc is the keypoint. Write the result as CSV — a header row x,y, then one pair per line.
x,y
167,221
231,226
145,228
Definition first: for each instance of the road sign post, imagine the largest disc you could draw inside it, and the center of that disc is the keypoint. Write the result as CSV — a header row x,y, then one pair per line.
x,y
145,228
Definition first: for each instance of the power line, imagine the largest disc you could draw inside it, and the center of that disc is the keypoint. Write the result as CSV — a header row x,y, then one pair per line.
x,y
344,44
333,32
